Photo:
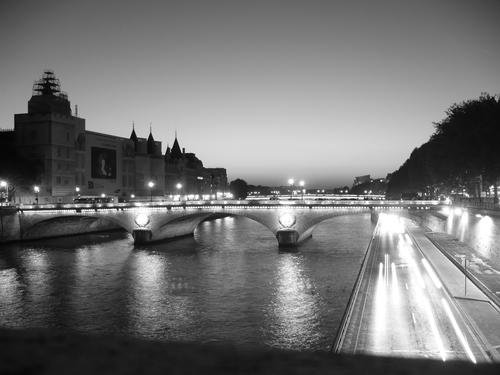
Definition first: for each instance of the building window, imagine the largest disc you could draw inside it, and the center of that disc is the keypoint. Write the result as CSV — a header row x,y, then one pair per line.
x,y
58,151
67,136
58,180
67,152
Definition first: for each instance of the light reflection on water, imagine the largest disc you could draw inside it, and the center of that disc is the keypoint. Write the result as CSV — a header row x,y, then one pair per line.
x,y
480,232
293,316
228,283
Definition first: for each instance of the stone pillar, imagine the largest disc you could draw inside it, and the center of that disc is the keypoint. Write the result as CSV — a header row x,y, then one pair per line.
x,y
287,237
142,236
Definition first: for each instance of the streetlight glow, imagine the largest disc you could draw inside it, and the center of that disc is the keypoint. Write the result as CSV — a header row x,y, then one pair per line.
x,y
37,190
151,185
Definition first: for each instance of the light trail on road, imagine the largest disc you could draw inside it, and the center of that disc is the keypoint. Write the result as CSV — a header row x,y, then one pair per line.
x,y
405,309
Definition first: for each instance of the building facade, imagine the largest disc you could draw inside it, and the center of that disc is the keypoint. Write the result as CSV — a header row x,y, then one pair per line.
x,y
74,161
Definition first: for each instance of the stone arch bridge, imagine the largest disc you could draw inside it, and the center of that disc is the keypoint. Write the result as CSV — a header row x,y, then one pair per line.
x,y
290,221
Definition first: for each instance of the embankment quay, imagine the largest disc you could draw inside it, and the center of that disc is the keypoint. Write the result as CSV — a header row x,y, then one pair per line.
x,y
290,221
411,300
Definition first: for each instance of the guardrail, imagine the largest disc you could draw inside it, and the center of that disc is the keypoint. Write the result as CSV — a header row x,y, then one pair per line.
x,y
478,283
346,318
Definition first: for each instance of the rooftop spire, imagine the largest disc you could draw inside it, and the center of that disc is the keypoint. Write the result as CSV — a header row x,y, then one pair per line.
x,y
133,136
151,141
176,149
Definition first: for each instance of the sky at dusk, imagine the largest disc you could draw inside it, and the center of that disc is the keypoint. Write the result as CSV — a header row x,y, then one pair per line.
x,y
316,90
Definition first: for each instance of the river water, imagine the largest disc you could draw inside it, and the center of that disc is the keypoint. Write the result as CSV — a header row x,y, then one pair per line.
x,y
229,283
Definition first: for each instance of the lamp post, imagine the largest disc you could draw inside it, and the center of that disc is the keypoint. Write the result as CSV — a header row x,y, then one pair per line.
x,y
151,185
302,184
179,187
37,190
4,185
77,191
291,181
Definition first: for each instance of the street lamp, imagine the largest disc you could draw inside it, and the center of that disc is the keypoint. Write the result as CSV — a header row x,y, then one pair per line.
x,y
3,184
37,190
301,184
179,187
291,181
151,185
77,191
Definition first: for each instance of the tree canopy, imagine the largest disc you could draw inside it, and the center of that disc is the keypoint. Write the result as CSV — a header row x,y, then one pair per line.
x,y
463,147
239,188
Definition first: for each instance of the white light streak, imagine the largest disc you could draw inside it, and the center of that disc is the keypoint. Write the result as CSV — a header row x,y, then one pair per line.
x,y
417,273
434,327
408,239
431,273
458,331
395,286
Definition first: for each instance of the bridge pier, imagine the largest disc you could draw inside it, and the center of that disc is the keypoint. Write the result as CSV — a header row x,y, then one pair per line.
x,y
287,237
142,236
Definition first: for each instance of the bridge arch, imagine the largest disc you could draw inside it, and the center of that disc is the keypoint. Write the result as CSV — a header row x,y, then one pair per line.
x,y
70,224
167,227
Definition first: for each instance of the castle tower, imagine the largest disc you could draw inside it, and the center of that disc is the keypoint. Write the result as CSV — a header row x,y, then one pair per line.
x,y
50,135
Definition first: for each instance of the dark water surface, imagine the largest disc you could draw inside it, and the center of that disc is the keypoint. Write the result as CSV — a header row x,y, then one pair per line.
x,y
229,283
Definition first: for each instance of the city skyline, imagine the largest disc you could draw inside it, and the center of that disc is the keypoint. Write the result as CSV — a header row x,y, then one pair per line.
x,y
318,91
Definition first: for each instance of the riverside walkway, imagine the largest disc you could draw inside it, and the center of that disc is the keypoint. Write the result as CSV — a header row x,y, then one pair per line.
x,y
410,301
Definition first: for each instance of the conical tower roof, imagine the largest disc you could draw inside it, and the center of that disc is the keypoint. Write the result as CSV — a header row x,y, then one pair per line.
x,y
151,142
133,136
176,149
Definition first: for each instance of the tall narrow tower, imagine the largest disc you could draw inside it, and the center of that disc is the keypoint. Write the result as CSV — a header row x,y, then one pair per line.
x,y
48,133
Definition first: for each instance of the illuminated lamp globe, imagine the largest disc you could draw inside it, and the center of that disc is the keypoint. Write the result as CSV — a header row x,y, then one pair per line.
x,y
287,220
142,220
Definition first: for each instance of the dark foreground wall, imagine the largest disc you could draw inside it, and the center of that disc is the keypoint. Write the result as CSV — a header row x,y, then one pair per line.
x,y
44,352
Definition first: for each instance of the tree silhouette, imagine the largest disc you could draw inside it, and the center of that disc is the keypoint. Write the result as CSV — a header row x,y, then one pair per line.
x,y
463,146
239,188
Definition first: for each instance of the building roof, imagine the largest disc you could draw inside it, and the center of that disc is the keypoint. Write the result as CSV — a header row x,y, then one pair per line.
x,y
176,150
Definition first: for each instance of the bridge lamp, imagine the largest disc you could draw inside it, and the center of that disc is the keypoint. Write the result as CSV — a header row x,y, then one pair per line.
x,y
179,187
151,185
287,220
37,190
103,195
142,220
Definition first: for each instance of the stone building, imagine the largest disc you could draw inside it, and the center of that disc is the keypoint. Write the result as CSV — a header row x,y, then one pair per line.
x,y
74,161
186,175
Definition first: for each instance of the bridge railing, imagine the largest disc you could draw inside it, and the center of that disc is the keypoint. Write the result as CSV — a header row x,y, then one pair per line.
x,y
243,203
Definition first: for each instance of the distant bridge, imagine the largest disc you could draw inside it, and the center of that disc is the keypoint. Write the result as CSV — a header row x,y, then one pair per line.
x,y
290,221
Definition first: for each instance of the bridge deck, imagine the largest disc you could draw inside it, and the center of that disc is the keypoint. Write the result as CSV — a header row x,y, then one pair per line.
x,y
403,308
